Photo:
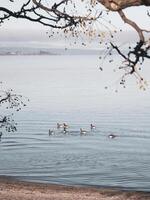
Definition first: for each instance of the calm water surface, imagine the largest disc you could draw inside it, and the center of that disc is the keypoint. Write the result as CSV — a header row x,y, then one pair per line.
x,y
71,89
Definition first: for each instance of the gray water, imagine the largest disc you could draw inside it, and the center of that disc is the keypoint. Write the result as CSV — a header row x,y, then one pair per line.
x,y
71,89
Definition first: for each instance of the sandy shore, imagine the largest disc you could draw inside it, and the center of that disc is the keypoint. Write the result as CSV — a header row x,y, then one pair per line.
x,y
11,189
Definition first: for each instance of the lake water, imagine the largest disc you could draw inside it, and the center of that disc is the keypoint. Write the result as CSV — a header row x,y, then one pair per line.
x,y
71,89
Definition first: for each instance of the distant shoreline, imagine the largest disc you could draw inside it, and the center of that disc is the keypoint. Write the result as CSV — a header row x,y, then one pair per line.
x,y
30,54
13,189
42,51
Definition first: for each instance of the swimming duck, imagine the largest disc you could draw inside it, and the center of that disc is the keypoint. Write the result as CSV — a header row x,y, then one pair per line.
x,y
92,126
59,125
65,125
111,136
1,135
65,130
82,132
50,132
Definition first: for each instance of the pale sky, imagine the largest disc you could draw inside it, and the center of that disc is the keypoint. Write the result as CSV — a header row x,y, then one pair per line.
x,y
23,28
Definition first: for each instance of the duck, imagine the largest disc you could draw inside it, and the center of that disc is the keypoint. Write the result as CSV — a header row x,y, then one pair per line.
x,y
50,132
59,125
92,126
82,132
112,136
1,135
65,130
65,125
